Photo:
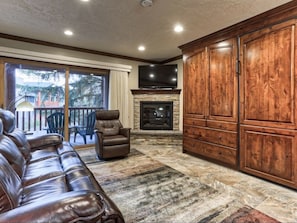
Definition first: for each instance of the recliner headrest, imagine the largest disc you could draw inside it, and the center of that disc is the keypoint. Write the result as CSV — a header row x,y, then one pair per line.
x,y
107,114
8,120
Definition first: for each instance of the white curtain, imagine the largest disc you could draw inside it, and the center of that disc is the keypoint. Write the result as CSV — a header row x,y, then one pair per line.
x,y
119,94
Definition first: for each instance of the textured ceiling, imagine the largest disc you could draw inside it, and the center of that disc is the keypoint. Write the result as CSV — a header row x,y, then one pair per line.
x,y
119,26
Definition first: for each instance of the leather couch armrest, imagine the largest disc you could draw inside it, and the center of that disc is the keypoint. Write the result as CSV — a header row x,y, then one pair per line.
x,y
39,142
125,132
73,206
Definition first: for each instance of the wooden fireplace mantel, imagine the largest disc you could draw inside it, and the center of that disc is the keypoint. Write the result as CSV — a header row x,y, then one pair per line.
x,y
155,91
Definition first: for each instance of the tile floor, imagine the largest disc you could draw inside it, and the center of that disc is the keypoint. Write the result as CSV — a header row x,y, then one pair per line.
x,y
274,200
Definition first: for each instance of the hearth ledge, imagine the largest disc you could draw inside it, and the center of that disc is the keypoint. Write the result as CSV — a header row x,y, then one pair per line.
x,y
156,132
156,137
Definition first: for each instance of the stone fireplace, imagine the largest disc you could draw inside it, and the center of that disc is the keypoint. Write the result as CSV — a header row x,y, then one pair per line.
x,y
156,115
156,96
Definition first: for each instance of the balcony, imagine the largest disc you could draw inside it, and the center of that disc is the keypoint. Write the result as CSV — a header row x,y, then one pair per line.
x,y
35,122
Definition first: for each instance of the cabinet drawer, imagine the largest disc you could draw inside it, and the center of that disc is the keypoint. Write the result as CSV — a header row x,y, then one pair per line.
x,y
194,122
215,136
222,125
220,154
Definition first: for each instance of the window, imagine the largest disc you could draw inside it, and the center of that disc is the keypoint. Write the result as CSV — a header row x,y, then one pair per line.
x,y
48,87
88,90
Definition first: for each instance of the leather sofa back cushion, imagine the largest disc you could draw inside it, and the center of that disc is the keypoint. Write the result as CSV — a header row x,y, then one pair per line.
x,y
12,154
19,138
10,186
8,120
17,135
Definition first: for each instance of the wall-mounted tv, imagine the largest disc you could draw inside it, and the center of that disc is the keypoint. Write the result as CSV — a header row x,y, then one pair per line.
x,y
157,76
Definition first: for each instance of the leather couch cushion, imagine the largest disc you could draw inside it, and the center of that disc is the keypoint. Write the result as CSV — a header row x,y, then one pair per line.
x,y
44,189
65,148
107,114
10,186
13,155
110,131
80,179
108,127
8,121
70,161
115,140
108,122
17,135
19,138
42,170
42,154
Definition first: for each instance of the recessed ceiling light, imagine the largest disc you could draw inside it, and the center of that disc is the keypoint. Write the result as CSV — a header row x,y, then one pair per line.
x,y
84,0
68,32
178,28
146,3
141,48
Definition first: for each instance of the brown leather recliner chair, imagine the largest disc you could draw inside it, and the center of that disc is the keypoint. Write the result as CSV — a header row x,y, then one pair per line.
x,y
111,139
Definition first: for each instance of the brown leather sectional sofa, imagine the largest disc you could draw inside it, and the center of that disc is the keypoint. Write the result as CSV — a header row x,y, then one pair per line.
x,y
44,180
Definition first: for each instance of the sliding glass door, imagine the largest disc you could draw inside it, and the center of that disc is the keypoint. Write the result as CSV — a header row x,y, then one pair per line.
x,y
51,88
88,91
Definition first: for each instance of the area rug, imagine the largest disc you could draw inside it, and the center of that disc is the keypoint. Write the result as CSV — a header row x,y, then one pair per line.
x,y
146,190
248,214
89,156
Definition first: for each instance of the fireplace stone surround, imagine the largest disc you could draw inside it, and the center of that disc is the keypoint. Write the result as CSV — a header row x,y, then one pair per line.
x,y
163,137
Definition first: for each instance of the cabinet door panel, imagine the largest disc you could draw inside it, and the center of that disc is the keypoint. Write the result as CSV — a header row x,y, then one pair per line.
x,y
223,81
268,76
269,153
195,85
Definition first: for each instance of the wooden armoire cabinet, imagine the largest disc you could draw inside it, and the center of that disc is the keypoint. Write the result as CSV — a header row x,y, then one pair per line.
x,y
210,102
240,96
268,117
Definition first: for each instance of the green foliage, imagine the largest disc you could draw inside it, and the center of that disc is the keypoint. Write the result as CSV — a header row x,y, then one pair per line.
x,y
85,90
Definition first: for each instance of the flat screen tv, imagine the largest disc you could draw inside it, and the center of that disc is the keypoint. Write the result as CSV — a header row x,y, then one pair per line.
x,y
157,76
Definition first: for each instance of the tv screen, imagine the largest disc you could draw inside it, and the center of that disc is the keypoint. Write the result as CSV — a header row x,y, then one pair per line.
x,y
157,76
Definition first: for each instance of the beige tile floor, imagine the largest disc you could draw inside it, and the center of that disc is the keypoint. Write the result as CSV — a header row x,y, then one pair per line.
x,y
274,200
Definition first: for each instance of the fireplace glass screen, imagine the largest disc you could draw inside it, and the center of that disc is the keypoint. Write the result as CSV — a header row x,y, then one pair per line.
x,y
156,115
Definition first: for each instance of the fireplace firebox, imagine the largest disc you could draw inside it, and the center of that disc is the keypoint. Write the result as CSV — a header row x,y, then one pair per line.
x,y
156,115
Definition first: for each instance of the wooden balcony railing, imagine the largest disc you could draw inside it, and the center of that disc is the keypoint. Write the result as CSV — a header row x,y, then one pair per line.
x,y
37,119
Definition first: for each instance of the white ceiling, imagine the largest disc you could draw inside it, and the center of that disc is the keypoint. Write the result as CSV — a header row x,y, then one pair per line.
x,y
119,26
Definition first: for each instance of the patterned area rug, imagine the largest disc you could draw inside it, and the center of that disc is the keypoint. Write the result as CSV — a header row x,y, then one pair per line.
x,y
248,214
146,190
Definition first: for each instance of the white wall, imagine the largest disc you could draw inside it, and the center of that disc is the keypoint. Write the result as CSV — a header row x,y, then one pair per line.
x,y
133,76
180,86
